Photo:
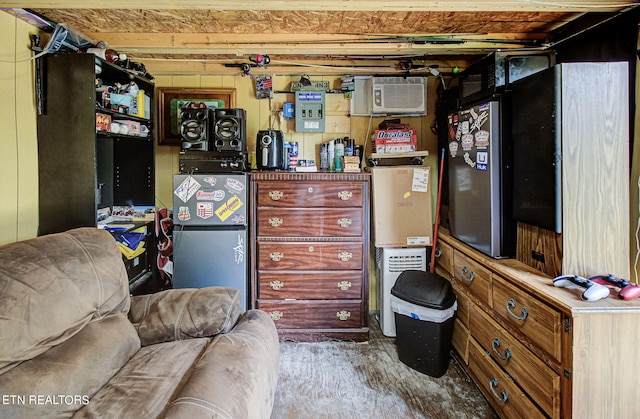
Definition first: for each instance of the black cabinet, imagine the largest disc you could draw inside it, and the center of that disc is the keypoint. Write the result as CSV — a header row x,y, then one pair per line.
x,y
83,169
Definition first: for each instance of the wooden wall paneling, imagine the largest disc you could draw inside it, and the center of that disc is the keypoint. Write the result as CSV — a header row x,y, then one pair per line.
x,y
608,354
8,132
595,164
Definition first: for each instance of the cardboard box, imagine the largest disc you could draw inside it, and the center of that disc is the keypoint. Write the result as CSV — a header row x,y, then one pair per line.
x,y
395,140
401,206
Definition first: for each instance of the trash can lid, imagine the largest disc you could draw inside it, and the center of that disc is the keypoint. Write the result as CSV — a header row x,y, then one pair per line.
x,y
424,289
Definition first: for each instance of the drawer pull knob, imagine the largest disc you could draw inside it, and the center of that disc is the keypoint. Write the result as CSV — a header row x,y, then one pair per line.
x,y
275,222
495,345
438,253
310,249
276,256
345,195
469,278
344,222
276,285
343,315
275,315
275,195
344,285
512,304
310,189
345,256
502,398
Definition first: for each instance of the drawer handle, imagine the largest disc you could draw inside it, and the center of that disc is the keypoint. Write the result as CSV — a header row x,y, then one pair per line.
x,y
276,285
310,189
345,195
344,285
275,195
438,253
464,274
343,315
495,345
275,315
275,222
502,398
512,304
344,222
345,256
276,256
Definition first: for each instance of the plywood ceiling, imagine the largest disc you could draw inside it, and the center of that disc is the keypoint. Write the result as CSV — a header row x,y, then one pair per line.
x,y
202,36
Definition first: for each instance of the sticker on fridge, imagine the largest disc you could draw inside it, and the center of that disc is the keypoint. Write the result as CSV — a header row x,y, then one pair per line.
x,y
187,188
482,162
228,208
204,210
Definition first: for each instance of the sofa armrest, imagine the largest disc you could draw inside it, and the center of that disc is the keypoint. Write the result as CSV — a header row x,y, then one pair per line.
x,y
180,314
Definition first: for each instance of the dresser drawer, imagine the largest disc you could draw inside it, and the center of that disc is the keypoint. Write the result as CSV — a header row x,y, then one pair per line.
x,y
444,257
324,222
462,313
534,376
501,391
309,194
300,314
472,276
460,340
310,256
305,285
539,322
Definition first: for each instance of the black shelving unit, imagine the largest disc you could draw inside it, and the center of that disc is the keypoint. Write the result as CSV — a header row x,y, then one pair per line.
x,y
81,169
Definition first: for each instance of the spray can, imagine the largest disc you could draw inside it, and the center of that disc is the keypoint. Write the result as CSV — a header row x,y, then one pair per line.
x,y
339,154
331,153
349,148
324,157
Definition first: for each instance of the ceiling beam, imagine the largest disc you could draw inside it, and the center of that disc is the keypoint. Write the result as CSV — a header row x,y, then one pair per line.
x,y
336,5
304,44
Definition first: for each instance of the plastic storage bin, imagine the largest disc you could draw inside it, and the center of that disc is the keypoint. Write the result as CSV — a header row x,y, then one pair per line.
x,y
424,308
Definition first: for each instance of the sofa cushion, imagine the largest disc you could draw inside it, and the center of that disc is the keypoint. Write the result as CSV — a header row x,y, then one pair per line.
x,y
53,286
63,379
144,387
185,313
237,375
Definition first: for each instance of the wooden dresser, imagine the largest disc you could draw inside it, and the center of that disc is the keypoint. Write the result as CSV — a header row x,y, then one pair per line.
x,y
536,350
310,253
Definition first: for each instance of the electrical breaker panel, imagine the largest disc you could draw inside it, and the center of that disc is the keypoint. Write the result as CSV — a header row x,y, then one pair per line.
x,y
310,112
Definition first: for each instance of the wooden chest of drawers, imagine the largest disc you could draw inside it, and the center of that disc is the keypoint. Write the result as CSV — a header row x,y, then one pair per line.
x,y
535,350
310,242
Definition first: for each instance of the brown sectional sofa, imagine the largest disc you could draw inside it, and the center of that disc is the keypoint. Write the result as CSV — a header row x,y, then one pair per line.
x,y
73,343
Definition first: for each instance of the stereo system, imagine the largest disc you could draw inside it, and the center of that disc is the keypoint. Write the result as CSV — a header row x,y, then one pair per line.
x,y
213,140
195,129
229,130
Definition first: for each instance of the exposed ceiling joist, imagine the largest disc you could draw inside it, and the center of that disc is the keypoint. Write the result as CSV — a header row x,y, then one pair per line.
x,y
337,5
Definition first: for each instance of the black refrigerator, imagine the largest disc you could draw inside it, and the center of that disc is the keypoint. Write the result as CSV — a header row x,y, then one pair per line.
x,y
480,177
210,236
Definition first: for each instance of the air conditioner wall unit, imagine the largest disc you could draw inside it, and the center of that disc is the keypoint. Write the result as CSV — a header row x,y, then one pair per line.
x,y
389,96
399,95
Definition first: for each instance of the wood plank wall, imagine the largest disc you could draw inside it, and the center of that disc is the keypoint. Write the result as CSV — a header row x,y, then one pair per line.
x,y
18,135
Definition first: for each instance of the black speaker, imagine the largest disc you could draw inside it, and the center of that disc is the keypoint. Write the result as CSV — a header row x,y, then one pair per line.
x,y
195,129
230,130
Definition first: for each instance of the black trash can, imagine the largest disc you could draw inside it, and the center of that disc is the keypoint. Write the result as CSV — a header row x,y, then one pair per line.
x,y
424,308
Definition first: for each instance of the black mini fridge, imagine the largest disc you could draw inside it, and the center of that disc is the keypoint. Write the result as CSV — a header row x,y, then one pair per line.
x,y
210,235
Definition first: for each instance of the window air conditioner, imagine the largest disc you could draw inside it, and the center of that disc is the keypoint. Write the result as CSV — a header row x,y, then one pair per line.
x,y
399,95
389,96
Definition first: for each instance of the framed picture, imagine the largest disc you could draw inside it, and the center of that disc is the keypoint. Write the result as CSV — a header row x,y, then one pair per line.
x,y
171,99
